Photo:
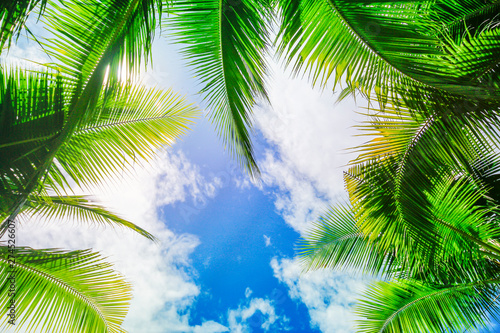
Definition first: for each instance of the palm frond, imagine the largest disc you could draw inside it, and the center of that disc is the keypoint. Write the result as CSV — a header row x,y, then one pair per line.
x,y
336,242
225,44
60,291
122,34
13,15
128,125
77,208
410,306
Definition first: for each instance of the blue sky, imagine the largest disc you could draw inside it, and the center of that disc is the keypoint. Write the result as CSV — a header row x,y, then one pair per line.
x,y
225,261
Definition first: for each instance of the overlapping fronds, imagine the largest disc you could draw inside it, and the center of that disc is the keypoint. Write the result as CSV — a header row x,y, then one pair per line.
x,y
90,39
425,187
417,151
77,208
389,47
32,115
13,15
60,291
225,43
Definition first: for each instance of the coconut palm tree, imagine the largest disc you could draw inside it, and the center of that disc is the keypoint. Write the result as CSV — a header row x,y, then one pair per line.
x,y
77,121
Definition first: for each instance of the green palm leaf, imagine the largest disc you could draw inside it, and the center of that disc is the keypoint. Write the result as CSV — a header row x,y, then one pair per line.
x,y
336,242
59,291
225,43
13,15
77,208
410,306
122,34
127,126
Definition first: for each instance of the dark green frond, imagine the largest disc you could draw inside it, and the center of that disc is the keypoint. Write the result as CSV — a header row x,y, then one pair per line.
x,y
32,114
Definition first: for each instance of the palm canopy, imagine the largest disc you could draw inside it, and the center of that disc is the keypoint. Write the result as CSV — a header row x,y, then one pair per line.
x,y
395,47
423,208
388,49
451,281
77,121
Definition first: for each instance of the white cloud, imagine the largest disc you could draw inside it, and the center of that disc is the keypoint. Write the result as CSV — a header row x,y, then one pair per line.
x,y
248,292
309,134
328,295
267,240
297,200
180,178
210,327
242,320
161,274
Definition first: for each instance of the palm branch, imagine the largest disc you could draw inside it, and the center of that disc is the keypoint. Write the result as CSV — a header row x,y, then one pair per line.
x,y
336,242
411,306
225,43
127,126
60,291
76,208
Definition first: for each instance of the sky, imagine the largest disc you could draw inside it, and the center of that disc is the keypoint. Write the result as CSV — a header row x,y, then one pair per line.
x,y
226,257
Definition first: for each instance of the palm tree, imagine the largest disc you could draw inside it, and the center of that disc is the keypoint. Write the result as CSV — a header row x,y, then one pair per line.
x,y
78,121
424,191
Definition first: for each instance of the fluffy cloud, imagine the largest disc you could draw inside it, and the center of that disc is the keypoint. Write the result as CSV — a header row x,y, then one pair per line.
x,y
328,296
258,312
180,178
309,134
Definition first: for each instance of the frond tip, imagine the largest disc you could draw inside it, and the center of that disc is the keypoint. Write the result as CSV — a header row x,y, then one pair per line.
x,y
78,207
